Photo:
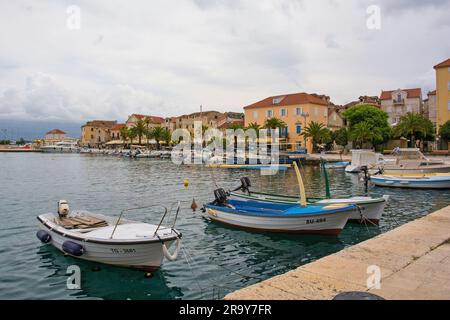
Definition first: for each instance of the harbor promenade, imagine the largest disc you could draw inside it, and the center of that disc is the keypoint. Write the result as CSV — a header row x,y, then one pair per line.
x,y
414,260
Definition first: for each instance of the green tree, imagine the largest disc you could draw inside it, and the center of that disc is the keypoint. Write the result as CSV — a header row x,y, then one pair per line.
x,y
158,135
317,133
166,136
364,132
414,125
21,142
236,126
132,134
342,137
444,131
140,129
374,117
124,133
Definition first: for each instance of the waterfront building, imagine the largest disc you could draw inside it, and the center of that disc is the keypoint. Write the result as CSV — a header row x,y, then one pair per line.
x,y
229,119
442,92
96,133
297,110
397,103
115,131
335,119
208,118
55,136
429,107
153,121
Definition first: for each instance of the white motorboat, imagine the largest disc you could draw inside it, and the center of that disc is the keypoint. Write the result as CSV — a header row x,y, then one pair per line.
x,y
410,161
61,147
426,181
364,158
109,240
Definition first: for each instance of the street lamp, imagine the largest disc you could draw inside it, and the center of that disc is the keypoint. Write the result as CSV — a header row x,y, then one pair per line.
x,y
305,115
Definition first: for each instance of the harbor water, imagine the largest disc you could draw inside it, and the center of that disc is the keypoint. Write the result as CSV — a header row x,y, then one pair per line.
x,y
215,259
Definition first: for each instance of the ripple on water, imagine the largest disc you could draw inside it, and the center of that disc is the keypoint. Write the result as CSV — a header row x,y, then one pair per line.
x,y
215,259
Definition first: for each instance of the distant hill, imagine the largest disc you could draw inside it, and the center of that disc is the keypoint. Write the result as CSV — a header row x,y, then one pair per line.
x,y
29,130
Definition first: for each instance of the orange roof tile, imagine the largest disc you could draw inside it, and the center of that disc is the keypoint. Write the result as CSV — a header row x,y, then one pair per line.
x,y
288,100
411,93
154,119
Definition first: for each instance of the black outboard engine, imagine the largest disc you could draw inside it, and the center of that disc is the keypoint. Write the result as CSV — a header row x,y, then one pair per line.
x,y
221,197
245,185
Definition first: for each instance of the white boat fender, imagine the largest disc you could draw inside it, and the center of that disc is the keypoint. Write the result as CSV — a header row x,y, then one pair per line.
x,y
43,236
73,248
172,257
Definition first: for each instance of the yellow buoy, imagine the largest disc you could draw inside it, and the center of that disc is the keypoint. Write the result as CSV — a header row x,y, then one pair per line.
x,y
186,183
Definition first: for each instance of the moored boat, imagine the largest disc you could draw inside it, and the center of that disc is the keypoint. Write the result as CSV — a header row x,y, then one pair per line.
x,y
109,240
368,208
414,181
280,218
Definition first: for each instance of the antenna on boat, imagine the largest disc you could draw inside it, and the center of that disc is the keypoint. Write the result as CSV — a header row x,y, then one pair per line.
x,y
327,182
301,186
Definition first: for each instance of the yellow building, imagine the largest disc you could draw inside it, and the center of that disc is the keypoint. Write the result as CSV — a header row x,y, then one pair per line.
x,y
442,92
96,133
296,110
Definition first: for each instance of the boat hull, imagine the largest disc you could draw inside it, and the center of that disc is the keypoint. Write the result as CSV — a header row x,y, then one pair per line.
x,y
371,208
326,224
412,183
143,256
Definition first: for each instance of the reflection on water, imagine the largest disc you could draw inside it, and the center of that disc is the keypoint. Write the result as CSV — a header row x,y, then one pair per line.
x,y
215,259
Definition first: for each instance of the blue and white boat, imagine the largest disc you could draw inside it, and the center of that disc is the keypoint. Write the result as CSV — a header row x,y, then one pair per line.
x,y
416,182
279,217
337,165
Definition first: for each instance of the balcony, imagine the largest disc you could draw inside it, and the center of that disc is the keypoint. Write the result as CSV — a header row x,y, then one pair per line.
x,y
399,102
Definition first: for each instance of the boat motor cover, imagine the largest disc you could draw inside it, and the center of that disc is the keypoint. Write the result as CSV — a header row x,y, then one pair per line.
x,y
73,248
43,236
220,195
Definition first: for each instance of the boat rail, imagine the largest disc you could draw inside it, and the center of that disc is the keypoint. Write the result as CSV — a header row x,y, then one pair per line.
x,y
147,207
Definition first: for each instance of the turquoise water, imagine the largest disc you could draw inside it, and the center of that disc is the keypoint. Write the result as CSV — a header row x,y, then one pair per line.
x,y
219,259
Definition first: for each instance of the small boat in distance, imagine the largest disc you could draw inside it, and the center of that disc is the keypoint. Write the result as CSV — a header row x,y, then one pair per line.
x,y
337,165
61,147
109,240
415,181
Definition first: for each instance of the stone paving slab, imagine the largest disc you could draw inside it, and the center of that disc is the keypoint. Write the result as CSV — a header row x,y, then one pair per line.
x,y
414,261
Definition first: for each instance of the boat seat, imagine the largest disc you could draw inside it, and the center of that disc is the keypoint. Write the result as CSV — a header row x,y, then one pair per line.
x,y
81,222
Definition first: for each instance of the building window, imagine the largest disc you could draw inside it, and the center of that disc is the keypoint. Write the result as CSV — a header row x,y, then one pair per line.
x,y
298,129
255,114
408,109
269,113
283,112
316,111
298,111
92,136
399,97
277,100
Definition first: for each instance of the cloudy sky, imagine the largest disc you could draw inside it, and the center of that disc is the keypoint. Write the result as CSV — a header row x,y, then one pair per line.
x,y
169,57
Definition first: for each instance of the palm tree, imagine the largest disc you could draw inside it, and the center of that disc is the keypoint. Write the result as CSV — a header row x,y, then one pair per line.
x,y
166,136
364,132
254,126
273,124
124,133
132,134
140,129
412,124
158,135
317,132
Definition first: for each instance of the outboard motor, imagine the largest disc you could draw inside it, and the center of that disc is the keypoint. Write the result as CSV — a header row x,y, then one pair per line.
x,y
245,185
63,208
221,196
